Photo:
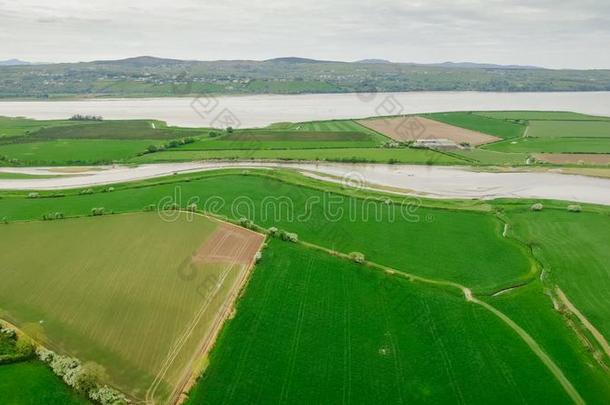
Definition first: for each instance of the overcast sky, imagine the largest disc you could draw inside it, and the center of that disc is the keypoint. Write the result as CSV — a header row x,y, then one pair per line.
x,y
550,33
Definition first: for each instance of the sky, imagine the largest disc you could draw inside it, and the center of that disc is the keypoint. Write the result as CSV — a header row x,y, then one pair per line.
x,y
548,33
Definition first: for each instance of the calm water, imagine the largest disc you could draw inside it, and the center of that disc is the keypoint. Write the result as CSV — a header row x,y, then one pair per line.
x,y
257,111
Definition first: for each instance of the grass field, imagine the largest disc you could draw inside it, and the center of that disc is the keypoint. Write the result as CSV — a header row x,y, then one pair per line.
x,y
122,129
411,238
574,249
531,308
377,155
540,115
492,157
552,145
75,151
266,139
330,126
11,127
32,383
341,333
134,293
569,129
487,125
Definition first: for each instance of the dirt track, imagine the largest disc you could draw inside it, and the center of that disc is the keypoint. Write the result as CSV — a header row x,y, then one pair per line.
x,y
412,128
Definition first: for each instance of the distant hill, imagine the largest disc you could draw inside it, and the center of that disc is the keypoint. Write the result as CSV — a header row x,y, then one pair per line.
x,y
382,61
13,62
292,59
149,76
471,65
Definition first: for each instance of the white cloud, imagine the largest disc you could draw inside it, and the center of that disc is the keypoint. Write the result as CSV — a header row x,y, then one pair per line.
x,y
556,33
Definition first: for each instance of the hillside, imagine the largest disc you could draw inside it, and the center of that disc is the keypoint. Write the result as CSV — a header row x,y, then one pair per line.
x,y
150,76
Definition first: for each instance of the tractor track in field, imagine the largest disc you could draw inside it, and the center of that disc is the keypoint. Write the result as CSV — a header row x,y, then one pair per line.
x,y
469,297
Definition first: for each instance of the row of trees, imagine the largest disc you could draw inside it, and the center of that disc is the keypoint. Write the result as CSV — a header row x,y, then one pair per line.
x,y
82,117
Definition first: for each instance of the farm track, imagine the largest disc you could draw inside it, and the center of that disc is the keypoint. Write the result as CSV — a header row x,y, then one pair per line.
x,y
599,337
469,297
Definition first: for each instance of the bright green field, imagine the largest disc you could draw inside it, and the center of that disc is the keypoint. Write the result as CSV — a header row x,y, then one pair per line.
x,y
379,155
540,115
4,175
312,328
119,290
492,157
118,129
33,383
334,125
75,151
410,238
491,126
569,129
267,139
532,309
574,249
552,145
10,127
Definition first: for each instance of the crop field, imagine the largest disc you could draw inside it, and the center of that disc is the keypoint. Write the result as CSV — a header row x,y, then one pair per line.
x,y
134,293
410,238
552,145
266,139
487,125
540,115
12,127
574,158
341,333
574,248
569,129
330,126
122,129
491,157
33,383
413,128
378,155
70,151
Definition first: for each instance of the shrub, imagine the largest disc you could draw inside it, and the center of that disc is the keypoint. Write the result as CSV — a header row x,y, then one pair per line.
x,y
357,257
97,211
288,236
34,195
246,223
107,396
149,207
5,220
87,191
537,207
273,231
192,207
109,189
258,256
574,208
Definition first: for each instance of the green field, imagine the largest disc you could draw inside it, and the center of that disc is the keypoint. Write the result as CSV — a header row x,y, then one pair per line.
x,y
341,333
569,129
32,383
540,115
552,145
376,155
413,239
74,151
120,290
13,127
574,250
329,126
268,139
492,157
122,129
491,126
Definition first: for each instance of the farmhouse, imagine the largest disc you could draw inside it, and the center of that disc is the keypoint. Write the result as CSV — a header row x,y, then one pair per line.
x,y
436,144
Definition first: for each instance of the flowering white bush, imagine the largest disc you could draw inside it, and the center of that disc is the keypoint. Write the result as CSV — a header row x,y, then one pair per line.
x,y
107,396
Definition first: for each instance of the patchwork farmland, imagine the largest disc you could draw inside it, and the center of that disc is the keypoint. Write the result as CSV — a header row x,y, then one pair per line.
x,y
133,293
398,300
